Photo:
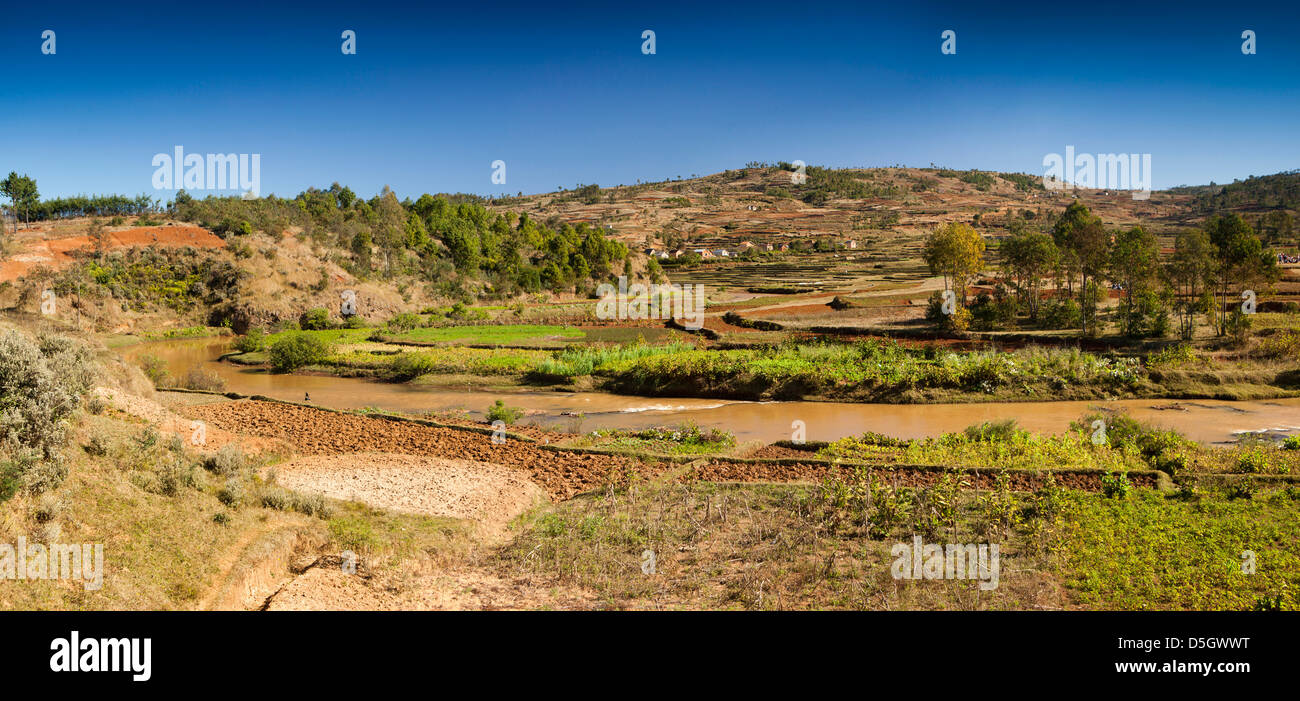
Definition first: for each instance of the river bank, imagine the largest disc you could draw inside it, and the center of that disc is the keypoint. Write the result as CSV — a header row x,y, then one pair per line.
x,y
1206,421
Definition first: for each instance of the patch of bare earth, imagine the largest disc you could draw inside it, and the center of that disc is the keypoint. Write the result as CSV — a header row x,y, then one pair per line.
x,y
329,588
486,494
204,440
490,495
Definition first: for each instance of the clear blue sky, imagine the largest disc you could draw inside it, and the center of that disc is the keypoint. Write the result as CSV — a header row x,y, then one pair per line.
x,y
562,93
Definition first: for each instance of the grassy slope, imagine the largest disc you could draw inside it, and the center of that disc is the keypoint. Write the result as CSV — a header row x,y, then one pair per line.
x,y
780,546
167,550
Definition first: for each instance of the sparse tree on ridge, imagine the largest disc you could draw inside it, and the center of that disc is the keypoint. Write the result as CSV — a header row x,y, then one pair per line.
x,y
22,194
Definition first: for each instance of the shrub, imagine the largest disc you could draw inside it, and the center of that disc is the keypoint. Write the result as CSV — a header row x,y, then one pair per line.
x,y
992,431
354,321
251,342
275,498
1115,486
352,533
460,312
41,384
96,445
1172,356
231,493
999,508
145,439
1253,461
312,505
1281,345
1160,448
227,461
1292,443
993,311
408,366
317,319
500,412
1062,314
1240,489
281,499
1238,326
155,369
40,476
207,380
296,350
959,320
685,437
405,321
47,509
173,474
1171,463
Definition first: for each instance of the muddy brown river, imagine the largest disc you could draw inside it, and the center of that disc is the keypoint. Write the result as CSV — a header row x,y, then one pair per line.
x,y
1207,421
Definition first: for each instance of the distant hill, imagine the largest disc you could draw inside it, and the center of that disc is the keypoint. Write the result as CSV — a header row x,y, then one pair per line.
x,y
1277,191
768,203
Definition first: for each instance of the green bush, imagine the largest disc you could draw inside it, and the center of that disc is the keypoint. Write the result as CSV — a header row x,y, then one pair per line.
x,y
500,412
1060,314
993,431
405,321
251,342
317,319
1253,461
1115,486
353,533
281,499
1172,356
296,350
155,369
408,366
1292,443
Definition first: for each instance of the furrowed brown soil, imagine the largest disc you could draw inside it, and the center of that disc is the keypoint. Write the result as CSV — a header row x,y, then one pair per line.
x,y
319,432
776,451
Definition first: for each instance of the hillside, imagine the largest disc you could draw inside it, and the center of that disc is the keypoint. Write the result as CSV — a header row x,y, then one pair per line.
x,y
761,204
257,263
240,263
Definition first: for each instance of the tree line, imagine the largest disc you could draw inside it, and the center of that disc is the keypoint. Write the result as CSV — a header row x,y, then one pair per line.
x,y
452,239
26,205
1058,278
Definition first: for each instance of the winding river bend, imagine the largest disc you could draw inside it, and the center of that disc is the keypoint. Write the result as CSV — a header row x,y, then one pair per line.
x,y
1207,421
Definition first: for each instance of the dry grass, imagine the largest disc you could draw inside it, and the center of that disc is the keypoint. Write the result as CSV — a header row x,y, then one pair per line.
x,y
756,547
